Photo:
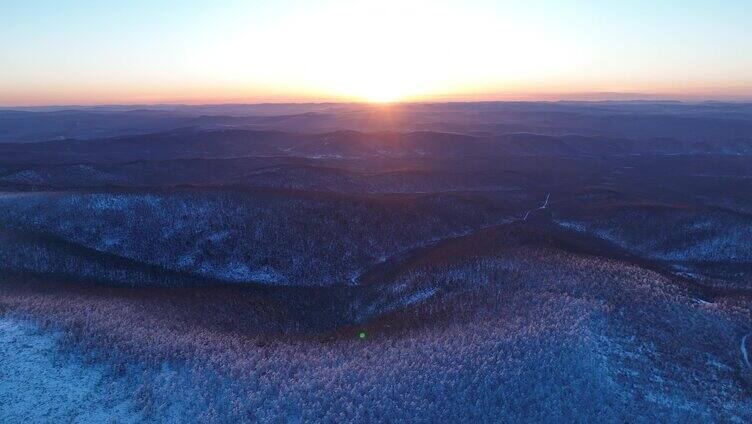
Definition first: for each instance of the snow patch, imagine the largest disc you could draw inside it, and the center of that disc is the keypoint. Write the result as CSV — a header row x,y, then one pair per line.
x,y
38,383
26,176
419,296
571,225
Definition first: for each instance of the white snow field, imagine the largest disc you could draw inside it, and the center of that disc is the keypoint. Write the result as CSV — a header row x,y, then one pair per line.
x,y
39,383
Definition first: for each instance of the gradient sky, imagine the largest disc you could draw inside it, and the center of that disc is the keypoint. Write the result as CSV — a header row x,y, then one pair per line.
x,y
116,52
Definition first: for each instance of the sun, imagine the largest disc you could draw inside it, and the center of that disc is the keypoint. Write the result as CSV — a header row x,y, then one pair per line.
x,y
382,97
382,90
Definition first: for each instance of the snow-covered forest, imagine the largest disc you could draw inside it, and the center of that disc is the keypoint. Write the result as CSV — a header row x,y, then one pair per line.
x,y
489,262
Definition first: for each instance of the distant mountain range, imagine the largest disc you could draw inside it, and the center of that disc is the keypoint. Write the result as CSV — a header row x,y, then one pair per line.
x,y
684,121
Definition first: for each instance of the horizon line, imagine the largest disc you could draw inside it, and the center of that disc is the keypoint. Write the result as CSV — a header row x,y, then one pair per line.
x,y
736,100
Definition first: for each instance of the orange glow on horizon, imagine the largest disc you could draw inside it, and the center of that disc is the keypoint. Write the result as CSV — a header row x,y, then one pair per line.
x,y
383,93
389,51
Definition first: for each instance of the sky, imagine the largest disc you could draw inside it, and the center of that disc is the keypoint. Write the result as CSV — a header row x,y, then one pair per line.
x,y
157,51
